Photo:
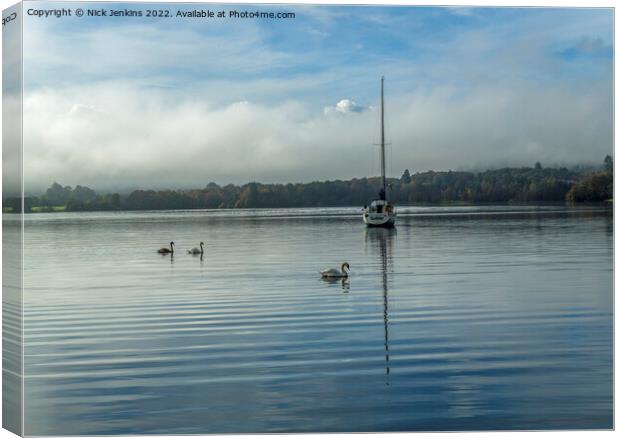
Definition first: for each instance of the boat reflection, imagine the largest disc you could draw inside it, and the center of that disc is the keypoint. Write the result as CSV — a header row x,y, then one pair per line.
x,y
380,240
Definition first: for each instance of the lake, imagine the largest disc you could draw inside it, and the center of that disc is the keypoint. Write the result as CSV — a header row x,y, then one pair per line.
x,y
462,318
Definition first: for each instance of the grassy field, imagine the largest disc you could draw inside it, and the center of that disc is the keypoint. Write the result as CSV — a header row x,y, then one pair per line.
x,y
55,208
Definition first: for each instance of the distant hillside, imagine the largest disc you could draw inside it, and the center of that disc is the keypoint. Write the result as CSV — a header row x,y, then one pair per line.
x,y
507,185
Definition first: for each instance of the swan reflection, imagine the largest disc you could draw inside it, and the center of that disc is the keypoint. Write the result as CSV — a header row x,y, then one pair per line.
x,y
344,282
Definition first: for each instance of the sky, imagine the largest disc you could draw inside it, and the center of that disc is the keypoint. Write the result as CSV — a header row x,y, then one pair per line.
x,y
125,103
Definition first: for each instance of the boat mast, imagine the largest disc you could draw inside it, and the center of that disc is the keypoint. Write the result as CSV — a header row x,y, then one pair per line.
x,y
382,145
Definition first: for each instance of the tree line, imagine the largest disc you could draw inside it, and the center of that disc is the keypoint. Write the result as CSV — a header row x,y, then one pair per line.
x,y
507,185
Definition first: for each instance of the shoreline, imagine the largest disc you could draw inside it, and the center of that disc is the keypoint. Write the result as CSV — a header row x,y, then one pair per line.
x,y
344,210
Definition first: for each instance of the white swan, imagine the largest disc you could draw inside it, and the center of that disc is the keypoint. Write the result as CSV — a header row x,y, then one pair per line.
x,y
335,273
166,250
197,251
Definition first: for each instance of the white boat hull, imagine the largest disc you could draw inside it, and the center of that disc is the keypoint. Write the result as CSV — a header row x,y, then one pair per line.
x,y
384,221
377,215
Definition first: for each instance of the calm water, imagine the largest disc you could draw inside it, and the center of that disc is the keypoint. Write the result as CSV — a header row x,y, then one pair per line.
x,y
461,318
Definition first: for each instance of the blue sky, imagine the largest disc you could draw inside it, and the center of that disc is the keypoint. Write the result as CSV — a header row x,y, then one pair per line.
x,y
233,100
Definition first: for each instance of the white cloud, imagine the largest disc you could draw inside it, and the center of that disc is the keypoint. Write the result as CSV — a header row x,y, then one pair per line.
x,y
460,11
144,138
344,106
81,110
317,32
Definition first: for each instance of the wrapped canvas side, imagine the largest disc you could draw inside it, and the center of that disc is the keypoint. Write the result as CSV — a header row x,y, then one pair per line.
x,y
12,221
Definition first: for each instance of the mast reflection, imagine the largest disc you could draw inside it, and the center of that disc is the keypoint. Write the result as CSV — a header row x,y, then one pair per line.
x,y
381,241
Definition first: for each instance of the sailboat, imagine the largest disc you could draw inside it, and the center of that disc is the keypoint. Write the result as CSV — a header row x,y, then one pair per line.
x,y
381,213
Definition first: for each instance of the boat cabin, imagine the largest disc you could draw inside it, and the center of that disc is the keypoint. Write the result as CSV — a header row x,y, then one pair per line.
x,y
380,206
